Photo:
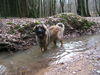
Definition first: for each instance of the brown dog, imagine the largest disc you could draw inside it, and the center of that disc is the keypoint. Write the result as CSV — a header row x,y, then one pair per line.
x,y
42,36
56,33
46,35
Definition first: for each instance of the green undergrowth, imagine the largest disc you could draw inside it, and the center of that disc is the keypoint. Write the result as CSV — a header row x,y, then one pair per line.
x,y
71,21
76,21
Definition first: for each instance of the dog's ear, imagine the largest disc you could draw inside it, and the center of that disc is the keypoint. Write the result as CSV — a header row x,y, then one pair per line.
x,y
44,26
48,26
34,29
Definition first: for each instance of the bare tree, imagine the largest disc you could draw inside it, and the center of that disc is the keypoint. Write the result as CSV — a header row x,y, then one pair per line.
x,y
98,10
43,8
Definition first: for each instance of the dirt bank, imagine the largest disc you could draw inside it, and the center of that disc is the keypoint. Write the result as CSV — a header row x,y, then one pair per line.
x,y
17,33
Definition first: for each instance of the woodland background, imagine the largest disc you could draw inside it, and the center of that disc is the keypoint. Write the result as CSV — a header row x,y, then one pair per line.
x,y
44,8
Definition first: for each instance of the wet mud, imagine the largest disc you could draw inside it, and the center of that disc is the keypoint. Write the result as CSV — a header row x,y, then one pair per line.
x,y
79,56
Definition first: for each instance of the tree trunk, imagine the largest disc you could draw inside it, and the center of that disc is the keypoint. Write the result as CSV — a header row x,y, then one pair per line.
x,y
62,5
97,7
87,9
81,8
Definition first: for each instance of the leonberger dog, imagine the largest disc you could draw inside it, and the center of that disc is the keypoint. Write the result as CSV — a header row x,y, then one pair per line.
x,y
45,35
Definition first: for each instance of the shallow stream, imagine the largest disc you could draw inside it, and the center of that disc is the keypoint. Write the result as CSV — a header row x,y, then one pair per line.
x,y
33,60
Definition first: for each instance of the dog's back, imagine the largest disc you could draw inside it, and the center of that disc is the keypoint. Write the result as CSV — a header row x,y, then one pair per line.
x,y
55,29
56,32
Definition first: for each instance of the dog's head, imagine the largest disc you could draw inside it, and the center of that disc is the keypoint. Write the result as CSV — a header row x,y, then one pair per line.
x,y
40,30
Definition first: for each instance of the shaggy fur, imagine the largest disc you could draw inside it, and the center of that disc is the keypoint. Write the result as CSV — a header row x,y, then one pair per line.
x,y
56,33
46,35
42,36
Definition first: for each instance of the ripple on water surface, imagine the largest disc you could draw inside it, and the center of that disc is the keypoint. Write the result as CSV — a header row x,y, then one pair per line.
x,y
71,47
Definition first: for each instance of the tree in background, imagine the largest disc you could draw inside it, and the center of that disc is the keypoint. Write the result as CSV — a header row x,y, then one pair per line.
x,y
62,5
87,8
44,8
82,8
97,4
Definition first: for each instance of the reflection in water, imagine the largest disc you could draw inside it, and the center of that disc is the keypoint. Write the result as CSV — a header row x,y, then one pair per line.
x,y
69,50
33,56
2,69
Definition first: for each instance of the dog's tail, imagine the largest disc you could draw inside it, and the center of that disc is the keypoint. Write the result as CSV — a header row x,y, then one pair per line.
x,y
61,25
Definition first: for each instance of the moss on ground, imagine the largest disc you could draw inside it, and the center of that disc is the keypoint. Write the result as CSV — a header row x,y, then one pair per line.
x,y
20,31
76,21
71,21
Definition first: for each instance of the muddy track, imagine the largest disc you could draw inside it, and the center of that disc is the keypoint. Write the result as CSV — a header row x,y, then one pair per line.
x,y
85,63
86,60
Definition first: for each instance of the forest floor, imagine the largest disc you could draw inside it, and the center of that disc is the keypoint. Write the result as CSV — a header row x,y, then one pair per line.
x,y
17,33
85,63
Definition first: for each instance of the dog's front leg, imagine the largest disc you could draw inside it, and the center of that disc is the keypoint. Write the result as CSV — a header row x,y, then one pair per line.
x,y
43,49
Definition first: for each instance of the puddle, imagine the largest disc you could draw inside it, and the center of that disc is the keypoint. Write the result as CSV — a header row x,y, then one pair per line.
x,y
34,59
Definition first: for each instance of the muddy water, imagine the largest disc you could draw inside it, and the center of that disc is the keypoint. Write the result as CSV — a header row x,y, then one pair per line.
x,y
32,60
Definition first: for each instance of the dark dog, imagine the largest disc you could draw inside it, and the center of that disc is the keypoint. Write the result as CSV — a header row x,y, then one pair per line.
x,y
46,35
42,36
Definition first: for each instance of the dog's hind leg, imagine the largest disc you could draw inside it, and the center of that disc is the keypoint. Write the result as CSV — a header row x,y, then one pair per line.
x,y
61,41
55,41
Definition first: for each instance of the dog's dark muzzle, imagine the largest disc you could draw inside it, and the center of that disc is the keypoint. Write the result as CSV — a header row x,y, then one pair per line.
x,y
40,33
